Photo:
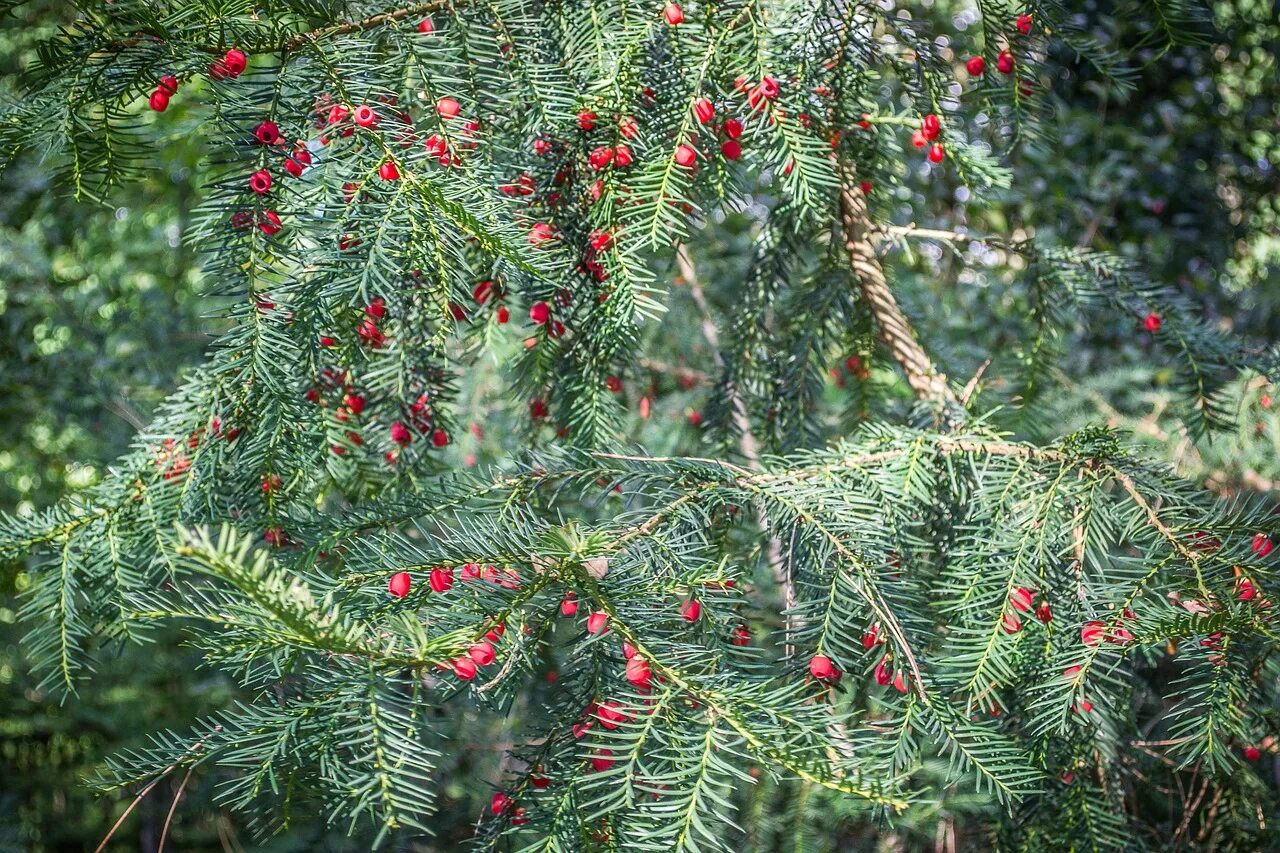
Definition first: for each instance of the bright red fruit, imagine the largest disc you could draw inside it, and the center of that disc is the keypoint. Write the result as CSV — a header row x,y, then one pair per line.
x,y
260,181
448,108
297,162
1262,544
1152,322
539,312
597,623
400,434
1004,62
439,438
235,61
388,171
674,14
482,653
936,153
976,66
1091,633
1024,24
441,579
399,584
931,125
691,610
638,671
685,156
704,110
159,100
268,133
731,149
822,668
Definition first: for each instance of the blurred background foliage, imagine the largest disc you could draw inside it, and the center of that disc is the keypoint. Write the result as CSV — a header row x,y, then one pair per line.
x,y
102,307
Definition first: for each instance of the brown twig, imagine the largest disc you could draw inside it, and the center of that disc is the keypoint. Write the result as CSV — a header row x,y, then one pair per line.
x,y
892,325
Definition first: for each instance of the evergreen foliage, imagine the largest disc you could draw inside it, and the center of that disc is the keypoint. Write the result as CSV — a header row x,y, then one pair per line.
x,y
1044,631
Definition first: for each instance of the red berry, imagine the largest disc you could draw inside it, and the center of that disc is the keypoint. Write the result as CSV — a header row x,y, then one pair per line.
x,y
297,162
936,153
866,187
482,653
1011,624
628,127
976,66
638,671
1004,62
732,128
400,434
918,139
587,120
600,158
614,384
270,223
1252,753
503,314
674,14
731,149
441,579
540,233
769,87
569,607
399,584
1024,24
883,671
691,610
1151,322
425,26
377,308
365,116
703,110
388,171
539,312
439,438
685,156
821,668
1091,633
1021,599
541,146
602,760
1262,544
354,402
741,636
268,133
464,668
260,181
621,156
597,623
448,108
610,714
500,803
931,126
235,62
159,100
168,84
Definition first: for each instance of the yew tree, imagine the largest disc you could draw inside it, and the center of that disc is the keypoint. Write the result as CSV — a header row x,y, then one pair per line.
x,y
613,442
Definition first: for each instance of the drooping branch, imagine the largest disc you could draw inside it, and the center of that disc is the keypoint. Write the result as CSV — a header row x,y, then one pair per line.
x,y
892,326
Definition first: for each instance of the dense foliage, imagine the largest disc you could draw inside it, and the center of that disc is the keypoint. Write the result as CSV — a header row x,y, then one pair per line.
x,y
631,427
